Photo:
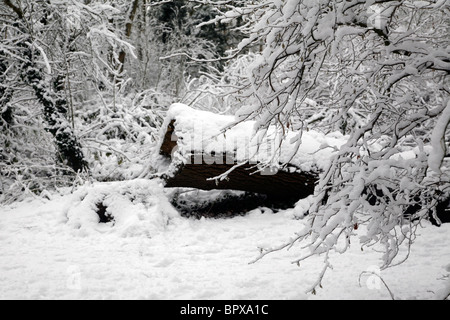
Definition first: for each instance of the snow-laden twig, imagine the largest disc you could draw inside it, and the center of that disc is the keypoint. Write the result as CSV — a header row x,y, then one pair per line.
x,y
225,175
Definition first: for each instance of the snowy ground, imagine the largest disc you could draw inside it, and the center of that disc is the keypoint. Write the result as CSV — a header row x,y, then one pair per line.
x,y
55,249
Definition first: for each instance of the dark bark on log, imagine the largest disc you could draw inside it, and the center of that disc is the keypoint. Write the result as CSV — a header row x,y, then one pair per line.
x,y
282,185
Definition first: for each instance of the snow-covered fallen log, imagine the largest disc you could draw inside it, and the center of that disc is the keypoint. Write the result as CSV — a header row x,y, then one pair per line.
x,y
207,151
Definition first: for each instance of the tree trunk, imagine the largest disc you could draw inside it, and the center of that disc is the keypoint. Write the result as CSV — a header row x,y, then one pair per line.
x,y
289,184
16,9
128,29
55,112
6,112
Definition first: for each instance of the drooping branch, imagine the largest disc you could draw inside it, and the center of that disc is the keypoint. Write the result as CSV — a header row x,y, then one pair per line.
x,y
380,82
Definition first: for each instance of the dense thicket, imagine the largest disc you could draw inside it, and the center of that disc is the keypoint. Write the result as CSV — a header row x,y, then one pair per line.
x,y
84,85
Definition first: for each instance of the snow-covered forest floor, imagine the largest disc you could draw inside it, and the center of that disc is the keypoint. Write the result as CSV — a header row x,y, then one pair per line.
x,y
346,103
56,249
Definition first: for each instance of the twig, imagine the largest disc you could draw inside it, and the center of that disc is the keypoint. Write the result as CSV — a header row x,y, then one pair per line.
x,y
382,280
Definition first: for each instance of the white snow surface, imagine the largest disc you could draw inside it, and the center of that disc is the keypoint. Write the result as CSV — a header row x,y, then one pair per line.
x,y
55,249
201,131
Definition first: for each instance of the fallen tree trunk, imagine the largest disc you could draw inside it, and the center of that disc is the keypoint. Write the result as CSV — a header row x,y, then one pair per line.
x,y
281,185
202,150
198,153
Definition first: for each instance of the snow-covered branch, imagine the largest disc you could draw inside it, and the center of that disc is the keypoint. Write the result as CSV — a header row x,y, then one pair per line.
x,y
376,71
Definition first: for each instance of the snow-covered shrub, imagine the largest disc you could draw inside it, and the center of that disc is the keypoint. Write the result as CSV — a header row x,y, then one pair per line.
x,y
119,138
135,208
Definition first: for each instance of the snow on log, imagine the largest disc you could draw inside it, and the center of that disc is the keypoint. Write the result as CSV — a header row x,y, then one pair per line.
x,y
207,151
